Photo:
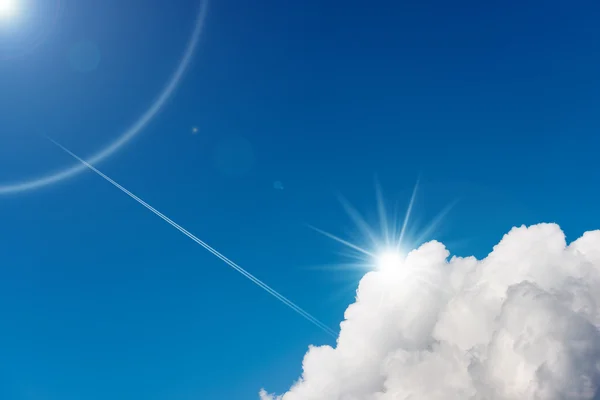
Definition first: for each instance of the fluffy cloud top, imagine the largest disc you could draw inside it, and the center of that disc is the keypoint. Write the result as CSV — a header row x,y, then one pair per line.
x,y
522,324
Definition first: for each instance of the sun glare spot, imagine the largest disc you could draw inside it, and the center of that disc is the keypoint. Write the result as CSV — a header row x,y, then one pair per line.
x,y
389,260
8,9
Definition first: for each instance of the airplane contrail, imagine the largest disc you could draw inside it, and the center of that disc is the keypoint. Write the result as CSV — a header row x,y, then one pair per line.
x,y
227,261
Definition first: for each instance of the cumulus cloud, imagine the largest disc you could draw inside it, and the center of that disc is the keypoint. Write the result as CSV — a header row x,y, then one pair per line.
x,y
523,323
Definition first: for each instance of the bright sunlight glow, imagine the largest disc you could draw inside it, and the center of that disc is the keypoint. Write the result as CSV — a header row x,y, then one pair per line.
x,y
8,8
389,260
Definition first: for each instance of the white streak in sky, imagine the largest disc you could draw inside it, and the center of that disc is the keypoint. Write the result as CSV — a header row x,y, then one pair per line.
x,y
227,261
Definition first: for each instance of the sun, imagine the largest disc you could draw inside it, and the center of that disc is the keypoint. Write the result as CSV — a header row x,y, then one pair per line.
x,y
389,249
389,260
8,9
388,254
383,251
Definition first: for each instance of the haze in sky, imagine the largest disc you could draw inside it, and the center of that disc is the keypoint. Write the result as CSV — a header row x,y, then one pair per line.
x,y
245,122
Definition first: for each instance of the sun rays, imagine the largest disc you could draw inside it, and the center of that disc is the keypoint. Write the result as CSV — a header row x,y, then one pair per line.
x,y
385,247
387,244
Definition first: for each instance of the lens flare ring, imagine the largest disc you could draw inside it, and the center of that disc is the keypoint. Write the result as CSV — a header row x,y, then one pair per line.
x,y
130,133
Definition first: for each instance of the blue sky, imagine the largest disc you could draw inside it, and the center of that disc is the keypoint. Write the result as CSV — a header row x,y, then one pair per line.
x,y
491,103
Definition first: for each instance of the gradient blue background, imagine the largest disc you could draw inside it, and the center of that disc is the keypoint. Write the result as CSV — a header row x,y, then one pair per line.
x,y
493,103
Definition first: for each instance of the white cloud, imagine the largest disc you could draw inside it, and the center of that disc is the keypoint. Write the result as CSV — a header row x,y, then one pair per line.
x,y
521,324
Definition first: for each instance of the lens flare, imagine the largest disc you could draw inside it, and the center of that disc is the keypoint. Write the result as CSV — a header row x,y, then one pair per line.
x,y
8,9
134,130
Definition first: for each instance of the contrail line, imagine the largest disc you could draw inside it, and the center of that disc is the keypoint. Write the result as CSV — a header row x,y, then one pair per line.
x,y
217,254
